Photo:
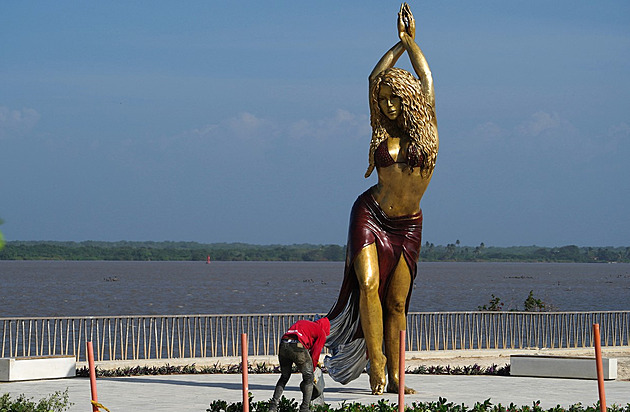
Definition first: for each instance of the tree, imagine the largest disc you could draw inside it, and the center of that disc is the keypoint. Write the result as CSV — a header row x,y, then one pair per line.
x,y
532,304
494,305
450,251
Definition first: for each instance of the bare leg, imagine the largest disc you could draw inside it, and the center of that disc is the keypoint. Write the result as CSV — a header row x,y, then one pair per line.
x,y
395,321
371,311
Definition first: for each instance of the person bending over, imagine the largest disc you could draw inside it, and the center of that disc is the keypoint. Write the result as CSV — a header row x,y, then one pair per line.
x,y
300,345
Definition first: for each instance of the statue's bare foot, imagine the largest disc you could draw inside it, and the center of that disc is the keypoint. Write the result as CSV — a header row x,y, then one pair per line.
x,y
392,387
377,383
377,375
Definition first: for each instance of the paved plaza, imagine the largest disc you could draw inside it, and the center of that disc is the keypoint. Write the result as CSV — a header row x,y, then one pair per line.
x,y
195,392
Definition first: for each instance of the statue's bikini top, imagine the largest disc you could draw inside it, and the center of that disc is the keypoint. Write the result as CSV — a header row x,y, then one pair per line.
x,y
382,158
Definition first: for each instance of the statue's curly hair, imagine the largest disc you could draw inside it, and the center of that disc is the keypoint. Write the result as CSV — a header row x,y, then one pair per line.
x,y
415,119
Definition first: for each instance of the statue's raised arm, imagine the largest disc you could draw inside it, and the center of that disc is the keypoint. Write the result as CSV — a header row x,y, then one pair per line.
x,y
407,34
388,60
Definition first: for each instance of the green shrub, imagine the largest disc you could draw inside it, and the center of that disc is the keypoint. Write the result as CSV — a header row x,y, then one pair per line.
x,y
57,402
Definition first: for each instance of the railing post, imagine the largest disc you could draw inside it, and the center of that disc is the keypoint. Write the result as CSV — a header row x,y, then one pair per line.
x,y
401,373
600,368
244,372
92,368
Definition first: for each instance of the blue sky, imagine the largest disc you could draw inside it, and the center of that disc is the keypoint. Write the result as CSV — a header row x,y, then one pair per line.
x,y
213,121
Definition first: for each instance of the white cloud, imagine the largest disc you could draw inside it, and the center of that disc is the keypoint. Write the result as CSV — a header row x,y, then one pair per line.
x,y
488,132
248,126
244,136
553,135
541,122
300,129
17,122
204,131
342,125
243,127
559,138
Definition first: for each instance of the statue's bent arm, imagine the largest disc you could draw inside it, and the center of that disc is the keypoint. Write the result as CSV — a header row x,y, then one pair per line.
x,y
420,65
388,60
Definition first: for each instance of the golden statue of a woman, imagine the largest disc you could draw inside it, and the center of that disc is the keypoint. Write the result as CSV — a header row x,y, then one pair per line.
x,y
386,221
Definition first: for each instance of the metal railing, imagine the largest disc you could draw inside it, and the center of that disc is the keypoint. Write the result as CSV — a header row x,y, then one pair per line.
x,y
514,330
193,336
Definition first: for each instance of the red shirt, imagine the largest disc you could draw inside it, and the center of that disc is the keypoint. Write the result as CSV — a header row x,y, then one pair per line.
x,y
311,334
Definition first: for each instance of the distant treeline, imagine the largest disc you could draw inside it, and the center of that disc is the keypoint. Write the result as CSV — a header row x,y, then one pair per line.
x,y
162,251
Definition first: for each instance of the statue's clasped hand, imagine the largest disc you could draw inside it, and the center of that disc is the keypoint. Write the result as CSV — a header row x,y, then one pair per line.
x,y
406,22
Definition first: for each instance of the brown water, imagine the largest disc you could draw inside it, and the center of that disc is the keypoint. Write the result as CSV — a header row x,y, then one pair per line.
x,y
53,288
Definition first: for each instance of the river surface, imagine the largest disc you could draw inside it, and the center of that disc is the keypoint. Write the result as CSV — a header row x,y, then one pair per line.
x,y
69,288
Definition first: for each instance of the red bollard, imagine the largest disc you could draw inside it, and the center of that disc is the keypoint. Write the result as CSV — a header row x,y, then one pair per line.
x,y
401,373
92,368
600,368
244,372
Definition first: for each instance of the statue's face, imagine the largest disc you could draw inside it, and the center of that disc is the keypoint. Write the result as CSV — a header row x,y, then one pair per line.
x,y
390,104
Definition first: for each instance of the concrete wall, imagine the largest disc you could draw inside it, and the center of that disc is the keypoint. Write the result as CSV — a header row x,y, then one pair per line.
x,y
561,367
50,367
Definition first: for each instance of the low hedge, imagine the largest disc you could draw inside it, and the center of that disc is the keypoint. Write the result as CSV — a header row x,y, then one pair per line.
x,y
264,368
383,405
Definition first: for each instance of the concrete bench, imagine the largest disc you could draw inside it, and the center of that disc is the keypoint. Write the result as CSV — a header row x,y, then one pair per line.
x,y
543,366
31,368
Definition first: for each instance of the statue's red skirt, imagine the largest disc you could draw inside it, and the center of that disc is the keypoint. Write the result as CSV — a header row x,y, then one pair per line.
x,y
392,237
